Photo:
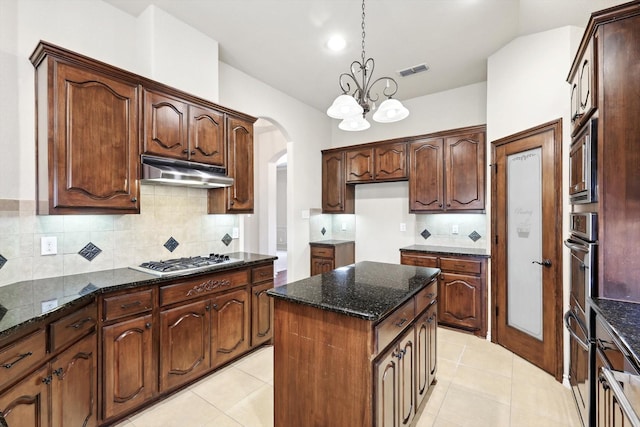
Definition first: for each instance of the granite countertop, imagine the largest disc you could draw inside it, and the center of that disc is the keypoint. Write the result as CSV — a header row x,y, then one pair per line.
x,y
368,290
624,319
448,250
330,242
21,302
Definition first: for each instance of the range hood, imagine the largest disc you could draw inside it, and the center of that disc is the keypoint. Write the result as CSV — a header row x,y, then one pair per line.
x,y
158,170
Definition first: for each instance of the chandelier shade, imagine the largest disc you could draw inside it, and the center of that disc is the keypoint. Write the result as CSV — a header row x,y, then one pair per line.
x,y
360,94
344,106
354,123
391,110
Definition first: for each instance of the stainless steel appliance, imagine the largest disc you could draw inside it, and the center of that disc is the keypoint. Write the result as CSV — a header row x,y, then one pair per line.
x,y
583,184
617,393
187,265
582,243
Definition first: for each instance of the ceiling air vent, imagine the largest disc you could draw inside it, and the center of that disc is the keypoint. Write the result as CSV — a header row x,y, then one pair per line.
x,y
413,70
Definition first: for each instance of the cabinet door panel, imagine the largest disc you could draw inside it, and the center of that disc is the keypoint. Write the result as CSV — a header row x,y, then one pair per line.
x,y
390,162
95,153
261,314
337,197
464,158
230,333
432,339
359,165
128,365
460,300
165,130
184,343
406,378
387,372
241,166
425,175
206,136
74,386
27,404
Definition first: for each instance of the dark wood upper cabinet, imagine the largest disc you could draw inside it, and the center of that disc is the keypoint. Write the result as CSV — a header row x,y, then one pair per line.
x,y
337,196
177,129
386,162
239,197
583,88
87,137
448,174
359,165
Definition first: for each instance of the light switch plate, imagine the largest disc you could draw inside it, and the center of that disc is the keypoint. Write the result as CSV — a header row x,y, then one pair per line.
x,y
235,233
454,229
403,226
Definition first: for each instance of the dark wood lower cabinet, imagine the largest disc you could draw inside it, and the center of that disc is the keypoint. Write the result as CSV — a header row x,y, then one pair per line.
x,y
128,359
74,389
27,404
426,351
261,313
185,350
230,331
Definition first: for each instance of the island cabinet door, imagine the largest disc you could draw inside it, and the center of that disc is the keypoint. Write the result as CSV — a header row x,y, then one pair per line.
x,y
387,411
184,343
395,383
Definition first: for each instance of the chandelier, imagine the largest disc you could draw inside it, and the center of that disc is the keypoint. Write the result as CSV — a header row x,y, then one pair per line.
x,y
358,96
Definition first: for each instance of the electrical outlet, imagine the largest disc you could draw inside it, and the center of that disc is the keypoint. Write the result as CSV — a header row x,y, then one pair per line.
x,y
49,245
235,233
403,226
344,226
454,229
48,305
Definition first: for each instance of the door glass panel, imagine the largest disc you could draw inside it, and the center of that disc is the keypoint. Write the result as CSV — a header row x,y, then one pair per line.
x,y
524,228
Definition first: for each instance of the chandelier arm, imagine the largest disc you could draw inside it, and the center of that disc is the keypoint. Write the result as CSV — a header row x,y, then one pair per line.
x,y
346,86
388,90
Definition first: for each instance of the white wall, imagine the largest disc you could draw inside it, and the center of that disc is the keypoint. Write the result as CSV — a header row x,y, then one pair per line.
x,y
306,131
527,87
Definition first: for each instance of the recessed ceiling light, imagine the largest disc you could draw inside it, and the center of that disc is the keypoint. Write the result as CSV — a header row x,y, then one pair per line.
x,y
336,43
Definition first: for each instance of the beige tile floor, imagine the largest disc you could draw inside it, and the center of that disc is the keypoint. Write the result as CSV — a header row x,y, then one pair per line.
x,y
479,384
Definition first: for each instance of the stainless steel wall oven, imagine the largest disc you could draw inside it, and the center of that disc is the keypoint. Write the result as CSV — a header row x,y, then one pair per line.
x,y
582,245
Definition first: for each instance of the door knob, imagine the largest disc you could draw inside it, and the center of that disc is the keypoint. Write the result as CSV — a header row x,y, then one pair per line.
x,y
544,263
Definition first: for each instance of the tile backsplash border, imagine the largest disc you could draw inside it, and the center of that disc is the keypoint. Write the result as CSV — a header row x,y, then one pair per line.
x,y
125,240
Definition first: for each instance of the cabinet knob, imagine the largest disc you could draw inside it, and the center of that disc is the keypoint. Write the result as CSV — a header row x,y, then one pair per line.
x,y
148,325
448,205
185,151
215,306
231,203
193,152
439,205
58,372
47,380
134,199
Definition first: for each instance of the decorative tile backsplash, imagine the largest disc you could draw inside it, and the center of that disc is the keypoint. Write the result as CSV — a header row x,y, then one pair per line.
x,y
425,234
3,261
227,239
474,236
171,244
124,240
90,251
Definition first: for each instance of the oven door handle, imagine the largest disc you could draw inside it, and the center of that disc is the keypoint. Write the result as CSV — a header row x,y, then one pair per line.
x,y
567,319
575,245
612,378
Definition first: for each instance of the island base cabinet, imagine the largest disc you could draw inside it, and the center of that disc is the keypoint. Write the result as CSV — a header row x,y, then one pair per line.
x,y
395,384
128,365
426,352
27,404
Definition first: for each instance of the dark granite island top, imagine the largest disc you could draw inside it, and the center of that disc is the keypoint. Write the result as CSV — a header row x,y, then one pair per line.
x,y
368,290
624,319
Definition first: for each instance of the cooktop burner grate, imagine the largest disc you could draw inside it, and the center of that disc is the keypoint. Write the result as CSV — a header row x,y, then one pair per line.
x,y
185,265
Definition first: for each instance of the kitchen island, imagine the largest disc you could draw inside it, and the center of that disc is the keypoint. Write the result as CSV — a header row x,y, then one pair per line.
x,y
355,346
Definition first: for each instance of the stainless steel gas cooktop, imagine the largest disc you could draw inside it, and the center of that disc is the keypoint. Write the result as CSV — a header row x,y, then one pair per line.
x,y
188,265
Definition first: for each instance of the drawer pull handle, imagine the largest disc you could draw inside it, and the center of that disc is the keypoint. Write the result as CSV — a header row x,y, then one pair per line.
x,y
130,305
59,373
401,322
79,324
431,295
22,356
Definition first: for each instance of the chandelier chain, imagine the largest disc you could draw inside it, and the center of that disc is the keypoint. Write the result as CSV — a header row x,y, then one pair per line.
x,y
363,32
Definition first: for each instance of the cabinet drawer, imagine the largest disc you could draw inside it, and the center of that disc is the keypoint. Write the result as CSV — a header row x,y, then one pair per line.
x,y
419,260
119,306
322,251
262,274
425,297
202,286
22,356
72,327
461,265
391,327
